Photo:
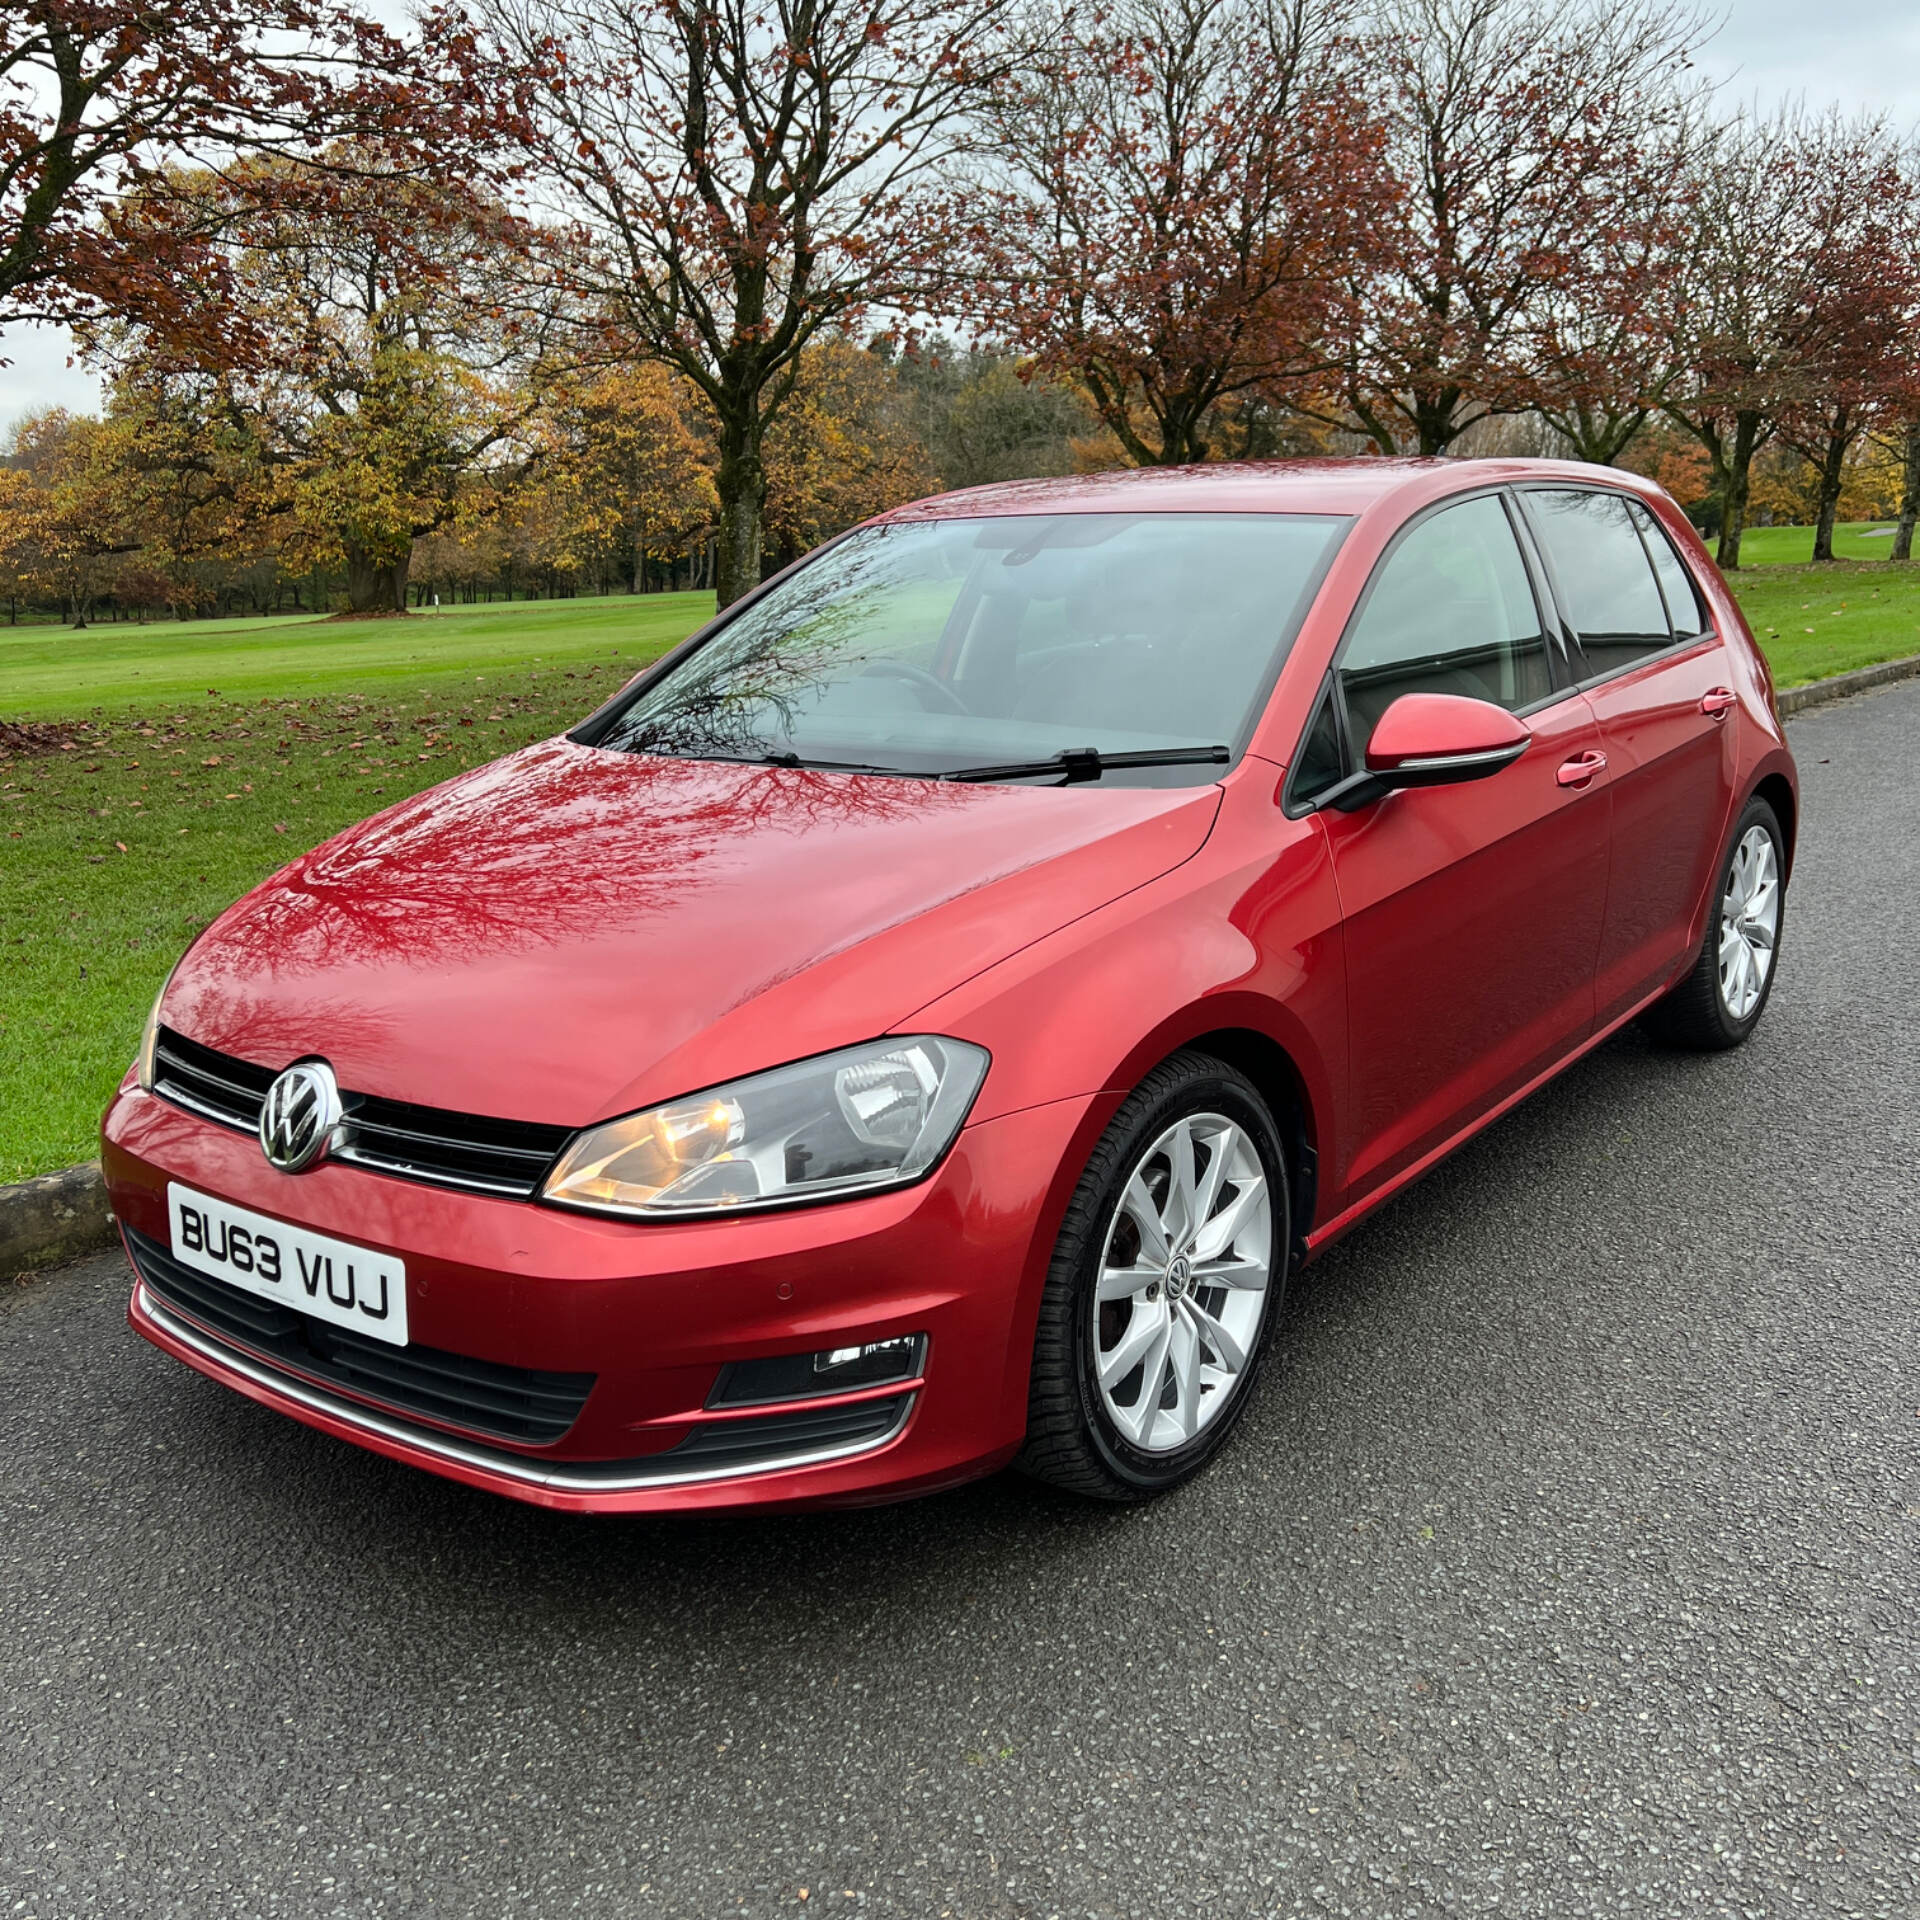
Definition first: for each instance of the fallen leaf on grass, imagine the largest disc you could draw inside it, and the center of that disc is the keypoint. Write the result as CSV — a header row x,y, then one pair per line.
x,y
279,826
121,844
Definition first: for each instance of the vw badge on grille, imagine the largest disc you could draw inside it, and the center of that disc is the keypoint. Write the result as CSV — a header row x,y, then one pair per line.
x,y
298,1116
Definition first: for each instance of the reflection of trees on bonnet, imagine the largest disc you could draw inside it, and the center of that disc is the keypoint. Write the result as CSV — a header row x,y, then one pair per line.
x,y
557,843
743,694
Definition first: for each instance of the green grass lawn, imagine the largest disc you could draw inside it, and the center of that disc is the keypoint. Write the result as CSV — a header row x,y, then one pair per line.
x,y
1793,546
53,670
1814,622
170,800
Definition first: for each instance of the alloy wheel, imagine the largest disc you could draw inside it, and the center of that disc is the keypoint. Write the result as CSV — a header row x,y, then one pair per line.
x,y
1749,923
1183,1282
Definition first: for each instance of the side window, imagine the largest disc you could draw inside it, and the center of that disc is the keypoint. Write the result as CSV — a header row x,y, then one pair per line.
x,y
1451,610
1319,765
1602,574
1684,612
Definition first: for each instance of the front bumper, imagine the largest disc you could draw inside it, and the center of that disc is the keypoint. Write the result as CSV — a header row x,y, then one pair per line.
x,y
653,1312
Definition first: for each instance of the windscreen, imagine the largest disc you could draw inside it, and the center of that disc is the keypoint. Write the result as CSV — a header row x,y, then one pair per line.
x,y
937,646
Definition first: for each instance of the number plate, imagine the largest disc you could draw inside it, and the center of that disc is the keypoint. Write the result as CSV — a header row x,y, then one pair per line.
x,y
333,1280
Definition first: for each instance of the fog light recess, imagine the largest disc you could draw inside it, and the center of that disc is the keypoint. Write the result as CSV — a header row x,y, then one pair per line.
x,y
807,1376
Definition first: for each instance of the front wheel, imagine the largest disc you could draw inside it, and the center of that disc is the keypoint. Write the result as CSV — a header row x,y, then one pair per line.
x,y
1724,994
1163,1287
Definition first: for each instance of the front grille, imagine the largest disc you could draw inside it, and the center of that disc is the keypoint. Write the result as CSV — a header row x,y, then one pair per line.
x,y
472,1151
480,1396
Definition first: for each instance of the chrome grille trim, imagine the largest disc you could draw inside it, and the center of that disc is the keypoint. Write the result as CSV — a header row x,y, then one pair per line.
x,y
430,1144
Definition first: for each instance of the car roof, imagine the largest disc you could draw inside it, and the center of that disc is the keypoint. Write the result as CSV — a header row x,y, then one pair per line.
x,y
1252,486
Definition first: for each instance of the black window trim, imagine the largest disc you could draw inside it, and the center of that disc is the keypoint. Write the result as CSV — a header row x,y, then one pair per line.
x,y
1676,645
1639,519
1546,606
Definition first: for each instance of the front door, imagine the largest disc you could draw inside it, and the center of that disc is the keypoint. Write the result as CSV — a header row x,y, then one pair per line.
x,y
1472,913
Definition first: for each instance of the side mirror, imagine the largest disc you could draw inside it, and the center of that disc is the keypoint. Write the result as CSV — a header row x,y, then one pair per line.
x,y
1433,740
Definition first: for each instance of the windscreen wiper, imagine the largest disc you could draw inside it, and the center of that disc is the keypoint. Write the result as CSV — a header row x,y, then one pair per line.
x,y
1076,764
777,757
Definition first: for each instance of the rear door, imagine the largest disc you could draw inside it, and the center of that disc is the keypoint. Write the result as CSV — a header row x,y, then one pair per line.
x,y
1472,913
1657,677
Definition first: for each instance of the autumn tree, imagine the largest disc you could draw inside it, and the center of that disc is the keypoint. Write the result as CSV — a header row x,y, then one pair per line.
x,y
1784,213
104,102
985,416
733,182
843,448
1185,188
1520,133
634,477
1866,213
1599,341
69,519
393,361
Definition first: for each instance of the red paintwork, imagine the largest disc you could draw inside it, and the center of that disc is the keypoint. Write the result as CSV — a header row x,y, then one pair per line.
x,y
569,935
1431,726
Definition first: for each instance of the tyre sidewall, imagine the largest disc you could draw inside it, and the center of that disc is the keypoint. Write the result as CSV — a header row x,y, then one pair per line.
x,y
1219,1091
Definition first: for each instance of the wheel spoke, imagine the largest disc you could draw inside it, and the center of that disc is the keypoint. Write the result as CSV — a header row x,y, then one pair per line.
x,y
1184,1352
1244,1276
1178,1217
1122,1283
1226,1349
1139,1420
1220,1232
1219,1152
1148,1326
1141,1210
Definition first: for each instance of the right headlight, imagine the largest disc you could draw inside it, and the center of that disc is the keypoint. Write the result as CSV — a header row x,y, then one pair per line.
x,y
856,1121
150,1034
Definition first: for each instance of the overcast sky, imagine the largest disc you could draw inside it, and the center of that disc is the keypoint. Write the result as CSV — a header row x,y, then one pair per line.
x,y
1856,53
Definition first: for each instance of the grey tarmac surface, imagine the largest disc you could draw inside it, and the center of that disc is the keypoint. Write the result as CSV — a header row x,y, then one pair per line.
x,y
1566,1565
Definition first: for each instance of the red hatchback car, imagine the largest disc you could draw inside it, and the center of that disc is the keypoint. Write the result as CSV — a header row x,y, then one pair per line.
x,y
920,1024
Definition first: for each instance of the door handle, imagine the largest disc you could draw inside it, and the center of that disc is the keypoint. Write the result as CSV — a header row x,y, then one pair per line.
x,y
1579,771
1715,702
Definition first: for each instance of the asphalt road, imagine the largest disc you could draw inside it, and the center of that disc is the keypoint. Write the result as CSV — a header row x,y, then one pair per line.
x,y
1566,1565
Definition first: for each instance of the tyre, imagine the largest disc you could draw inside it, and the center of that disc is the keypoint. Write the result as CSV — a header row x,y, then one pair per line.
x,y
1725,992
1163,1288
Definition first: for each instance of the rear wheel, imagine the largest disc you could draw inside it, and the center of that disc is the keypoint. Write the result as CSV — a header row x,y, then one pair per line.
x,y
1722,998
1163,1287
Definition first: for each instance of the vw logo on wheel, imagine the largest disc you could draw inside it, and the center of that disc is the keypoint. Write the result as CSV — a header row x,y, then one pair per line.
x,y
298,1116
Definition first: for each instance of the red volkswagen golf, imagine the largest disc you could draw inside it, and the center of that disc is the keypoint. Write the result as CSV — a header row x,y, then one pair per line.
x,y
921,1023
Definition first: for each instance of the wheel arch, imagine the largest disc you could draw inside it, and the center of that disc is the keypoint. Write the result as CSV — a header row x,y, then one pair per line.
x,y
1280,1083
1777,791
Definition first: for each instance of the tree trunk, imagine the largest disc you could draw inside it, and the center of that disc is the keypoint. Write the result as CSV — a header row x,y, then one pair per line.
x,y
742,485
1832,472
1434,419
1909,496
1735,486
375,586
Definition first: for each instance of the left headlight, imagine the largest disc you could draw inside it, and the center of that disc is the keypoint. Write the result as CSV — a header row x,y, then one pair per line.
x,y
868,1117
